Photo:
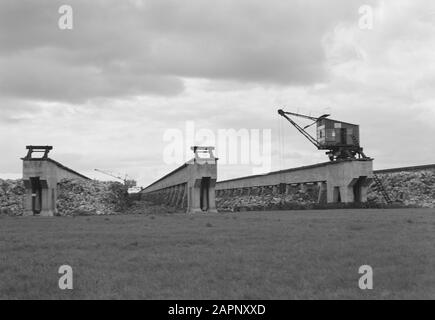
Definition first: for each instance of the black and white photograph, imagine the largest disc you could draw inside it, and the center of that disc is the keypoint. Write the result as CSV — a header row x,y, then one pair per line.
x,y
217,156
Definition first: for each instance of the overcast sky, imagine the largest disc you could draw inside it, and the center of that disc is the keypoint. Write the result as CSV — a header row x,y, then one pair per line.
x,y
104,93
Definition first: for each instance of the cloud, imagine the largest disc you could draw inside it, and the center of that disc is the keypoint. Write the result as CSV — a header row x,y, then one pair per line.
x,y
131,48
44,79
14,112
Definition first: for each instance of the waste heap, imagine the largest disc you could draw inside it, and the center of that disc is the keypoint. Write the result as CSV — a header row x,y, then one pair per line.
x,y
91,197
298,197
411,188
11,197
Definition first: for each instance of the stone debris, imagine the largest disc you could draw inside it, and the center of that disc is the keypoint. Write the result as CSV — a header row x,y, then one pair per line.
x,y
406,189
91,197
75,197
414,188
78,197
11,197
298,197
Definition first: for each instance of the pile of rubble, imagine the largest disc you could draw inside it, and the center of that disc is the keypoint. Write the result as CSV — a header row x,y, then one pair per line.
x,y
405,188
91,197
297,198
414,188
11,197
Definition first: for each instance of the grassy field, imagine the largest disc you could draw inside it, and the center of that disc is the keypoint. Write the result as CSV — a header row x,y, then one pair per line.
x,y
255,255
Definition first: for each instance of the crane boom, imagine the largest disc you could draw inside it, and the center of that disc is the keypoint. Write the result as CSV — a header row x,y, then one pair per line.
x,y
298,127
107,173
297,115
127,182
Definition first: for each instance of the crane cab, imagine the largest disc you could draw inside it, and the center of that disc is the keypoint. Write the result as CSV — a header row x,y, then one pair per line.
x,y
332,133
340,138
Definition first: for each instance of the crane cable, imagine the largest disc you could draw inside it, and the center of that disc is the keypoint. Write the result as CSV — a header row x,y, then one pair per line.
x,y
281,157
281,148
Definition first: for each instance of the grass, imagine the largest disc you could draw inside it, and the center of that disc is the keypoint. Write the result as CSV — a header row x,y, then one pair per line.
x,y
252,255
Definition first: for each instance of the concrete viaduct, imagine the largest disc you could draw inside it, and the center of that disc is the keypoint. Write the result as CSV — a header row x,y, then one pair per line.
x,y
193,186
341,181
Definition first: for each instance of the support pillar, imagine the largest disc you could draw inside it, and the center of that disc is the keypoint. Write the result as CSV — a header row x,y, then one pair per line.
x,y
322,193
41,176
348,179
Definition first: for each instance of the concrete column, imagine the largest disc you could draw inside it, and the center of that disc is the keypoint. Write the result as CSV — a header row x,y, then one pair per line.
x,y
167,196
194,197
184,197
367,182
48,202
174,196
28,203
347,191
274,190
346,194
211,197
334,193
261,191
287,189
322,193
178,195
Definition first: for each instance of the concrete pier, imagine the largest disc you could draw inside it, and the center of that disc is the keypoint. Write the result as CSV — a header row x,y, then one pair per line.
x,y
41,176
196,180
